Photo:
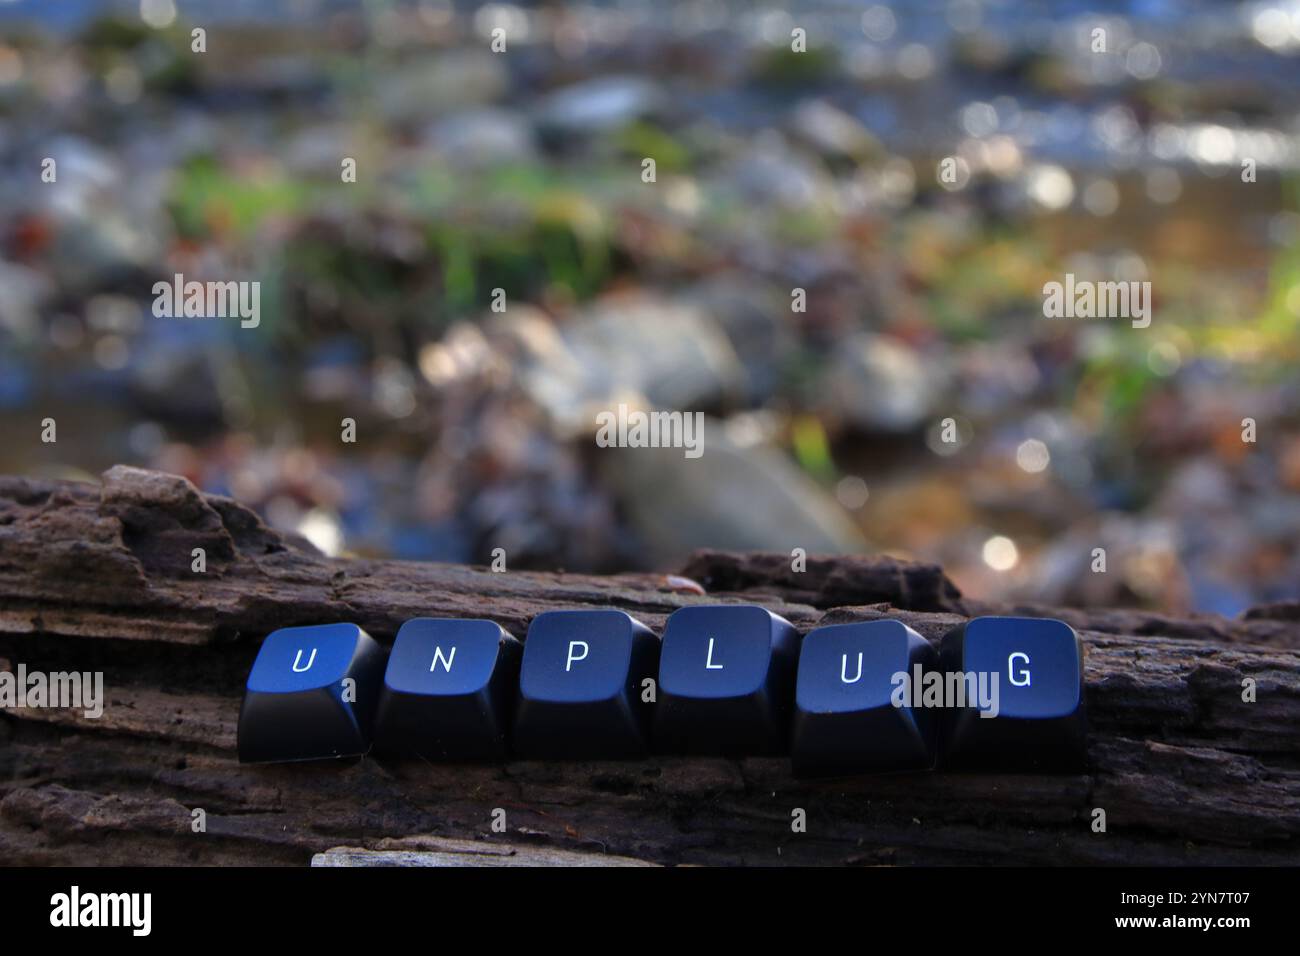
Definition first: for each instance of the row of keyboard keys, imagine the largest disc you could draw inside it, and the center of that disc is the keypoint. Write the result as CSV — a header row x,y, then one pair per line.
x,y
1002,693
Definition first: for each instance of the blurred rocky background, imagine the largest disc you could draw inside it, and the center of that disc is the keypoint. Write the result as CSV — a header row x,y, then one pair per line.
x,y
776,170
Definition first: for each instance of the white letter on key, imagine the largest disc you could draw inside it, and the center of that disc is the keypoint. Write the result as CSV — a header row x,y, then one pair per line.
x,y
708,664
844,669
446,661
1024,674
298,660
572,644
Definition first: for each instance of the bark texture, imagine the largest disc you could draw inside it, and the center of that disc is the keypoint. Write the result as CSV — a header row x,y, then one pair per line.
x,y
98,577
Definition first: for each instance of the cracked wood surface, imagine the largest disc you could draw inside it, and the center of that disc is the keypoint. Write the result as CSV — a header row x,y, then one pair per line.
x,y
97,577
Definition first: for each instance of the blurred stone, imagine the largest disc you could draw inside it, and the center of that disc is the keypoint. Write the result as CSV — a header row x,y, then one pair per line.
x,y
532,349
105,233
833,132
464,352
770,173
671,352
624,348
754,321
597,105
729,497
482,137
881,384
86,173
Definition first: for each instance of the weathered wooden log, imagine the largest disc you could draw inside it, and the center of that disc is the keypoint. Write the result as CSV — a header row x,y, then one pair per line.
x,y
99,577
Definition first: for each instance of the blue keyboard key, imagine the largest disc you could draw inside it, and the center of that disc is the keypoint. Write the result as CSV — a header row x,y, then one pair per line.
x,y
581,690
311,694
449,690
847,696
1034,671
726,681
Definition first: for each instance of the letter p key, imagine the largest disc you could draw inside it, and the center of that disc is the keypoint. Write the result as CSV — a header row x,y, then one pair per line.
x,y
580,686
